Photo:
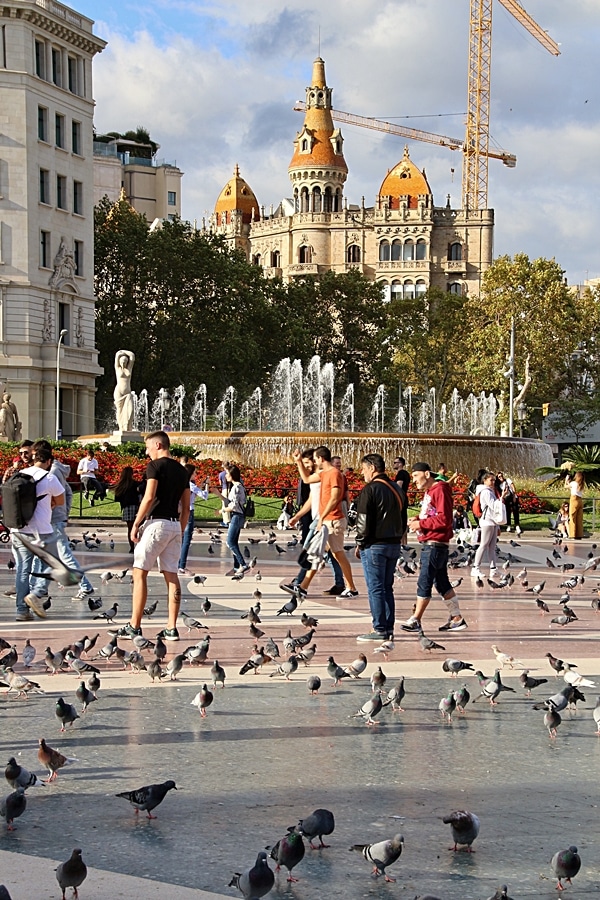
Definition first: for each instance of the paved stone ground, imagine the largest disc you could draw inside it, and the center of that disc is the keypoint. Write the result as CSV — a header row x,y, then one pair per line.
x,y
268,753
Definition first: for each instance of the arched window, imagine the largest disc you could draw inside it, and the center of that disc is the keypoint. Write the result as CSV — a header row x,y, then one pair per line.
x,y
421,249
256,259
455,252
275,259
304,145
455,287
396,251
396,290
384,251
327,200
337,201
296,201
409,250
409,290
317,200
304,200
304,254
353,254
421,288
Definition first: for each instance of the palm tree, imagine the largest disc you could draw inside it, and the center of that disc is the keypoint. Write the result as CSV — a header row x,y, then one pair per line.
x,y
577,459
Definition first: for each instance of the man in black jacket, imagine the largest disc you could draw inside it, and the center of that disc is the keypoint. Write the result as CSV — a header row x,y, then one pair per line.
x,y
381,522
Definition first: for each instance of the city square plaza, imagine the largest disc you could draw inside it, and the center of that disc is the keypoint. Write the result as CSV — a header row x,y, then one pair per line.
x,y
268,753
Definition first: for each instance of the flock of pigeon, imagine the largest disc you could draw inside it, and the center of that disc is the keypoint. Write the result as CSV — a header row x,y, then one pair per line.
x,y
295,651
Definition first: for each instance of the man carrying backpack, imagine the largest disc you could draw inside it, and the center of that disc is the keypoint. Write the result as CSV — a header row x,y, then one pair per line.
x,y
49,493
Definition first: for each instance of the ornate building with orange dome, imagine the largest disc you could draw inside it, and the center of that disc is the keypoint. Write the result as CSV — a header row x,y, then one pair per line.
x,y
404,242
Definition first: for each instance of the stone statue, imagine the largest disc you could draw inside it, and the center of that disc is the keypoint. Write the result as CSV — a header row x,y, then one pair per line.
x,y
10,427
124,360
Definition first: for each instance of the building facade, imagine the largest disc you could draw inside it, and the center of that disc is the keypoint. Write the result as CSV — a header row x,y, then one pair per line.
x,y
404,241
46,215
152,186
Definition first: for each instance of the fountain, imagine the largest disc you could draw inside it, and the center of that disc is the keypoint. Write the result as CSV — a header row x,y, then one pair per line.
x,y
298,409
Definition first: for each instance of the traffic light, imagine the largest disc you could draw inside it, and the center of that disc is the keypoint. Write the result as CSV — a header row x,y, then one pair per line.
x,y
545,409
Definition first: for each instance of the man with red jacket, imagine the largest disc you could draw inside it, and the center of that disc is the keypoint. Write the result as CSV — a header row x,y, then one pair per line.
x,y
433,527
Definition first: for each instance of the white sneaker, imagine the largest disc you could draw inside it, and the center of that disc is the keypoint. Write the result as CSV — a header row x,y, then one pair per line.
x,y
508,529
476,573
518,530
492,568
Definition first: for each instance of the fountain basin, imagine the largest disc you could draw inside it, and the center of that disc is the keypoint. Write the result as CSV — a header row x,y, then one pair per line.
x,y
466,453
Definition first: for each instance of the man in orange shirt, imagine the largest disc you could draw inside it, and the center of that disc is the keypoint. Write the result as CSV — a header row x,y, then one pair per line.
x,y
330,513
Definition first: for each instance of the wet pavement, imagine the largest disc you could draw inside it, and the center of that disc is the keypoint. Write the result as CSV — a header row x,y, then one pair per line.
x,y
268,753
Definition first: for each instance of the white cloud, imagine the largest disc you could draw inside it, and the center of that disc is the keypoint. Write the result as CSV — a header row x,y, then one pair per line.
x,y
216,85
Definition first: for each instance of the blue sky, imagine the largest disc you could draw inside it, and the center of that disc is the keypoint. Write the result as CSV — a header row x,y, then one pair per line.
x,y
215,82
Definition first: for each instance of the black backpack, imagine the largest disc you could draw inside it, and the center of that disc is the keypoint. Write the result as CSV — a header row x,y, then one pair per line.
x,y
19,499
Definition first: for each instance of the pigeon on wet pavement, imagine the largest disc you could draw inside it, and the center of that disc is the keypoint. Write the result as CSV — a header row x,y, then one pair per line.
x,y
447,705
565,864
257,881
320,822
71,873
462,697
288,852
382,854
148,797
217,673
313,683
371,708
286,668
395,696
491,688
552,720
356,668
175,666
203,700
529,682
465,828
85,696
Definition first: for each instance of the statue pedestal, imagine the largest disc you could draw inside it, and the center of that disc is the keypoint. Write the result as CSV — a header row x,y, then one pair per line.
x,y
124,437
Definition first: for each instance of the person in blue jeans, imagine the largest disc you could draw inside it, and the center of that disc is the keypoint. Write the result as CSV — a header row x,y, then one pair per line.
x,y
380,524
186,539
234,505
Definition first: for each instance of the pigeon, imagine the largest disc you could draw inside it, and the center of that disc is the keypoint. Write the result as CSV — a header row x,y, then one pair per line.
x,y
558,701
462,697
94,603
370,709
529,683
149,797
286,668
561,620
109,649
290,607
543,607
109,614
71,873
13,806
21,684
313,683
385,648
454,666
575,678
501,894
94,683
320,822
492,687
206,607
56,569
309,621
79,666
356,668
257,882
150,610
304,639
505,659
427,644
557,664
85,696
89,643
254,663
288,852
28,654
53,760
378,679
141,643
395,696
252,616
155,671
565,864
465,828
382,854
447,705
271,648
175,666
105,577
218,674
9,660
65,713
17,776
537,588
552,720
202,700
307,654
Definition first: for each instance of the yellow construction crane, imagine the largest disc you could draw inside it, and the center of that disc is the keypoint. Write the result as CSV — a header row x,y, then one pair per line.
x,y
475,147
475,160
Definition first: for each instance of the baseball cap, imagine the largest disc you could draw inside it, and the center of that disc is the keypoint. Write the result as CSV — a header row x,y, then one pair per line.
x,y
421,467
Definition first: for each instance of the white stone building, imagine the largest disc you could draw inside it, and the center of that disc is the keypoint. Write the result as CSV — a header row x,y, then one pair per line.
x,y
46,214
404,241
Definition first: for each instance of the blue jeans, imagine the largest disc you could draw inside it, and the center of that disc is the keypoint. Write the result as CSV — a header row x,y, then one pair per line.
x,y
434,571
233,536
186,540
39,586
24,563
379,562
329,558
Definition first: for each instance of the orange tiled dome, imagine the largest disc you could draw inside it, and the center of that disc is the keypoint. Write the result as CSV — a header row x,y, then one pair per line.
x,y
321,136
404,179
237,195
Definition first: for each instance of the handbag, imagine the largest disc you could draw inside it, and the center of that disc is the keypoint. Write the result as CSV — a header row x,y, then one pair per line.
x,y
248,508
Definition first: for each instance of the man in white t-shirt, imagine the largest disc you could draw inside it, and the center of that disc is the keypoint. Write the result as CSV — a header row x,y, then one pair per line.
x,y
87,471
49,493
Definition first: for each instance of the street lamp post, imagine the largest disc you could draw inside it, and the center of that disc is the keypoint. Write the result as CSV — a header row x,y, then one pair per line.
x,y
61,337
